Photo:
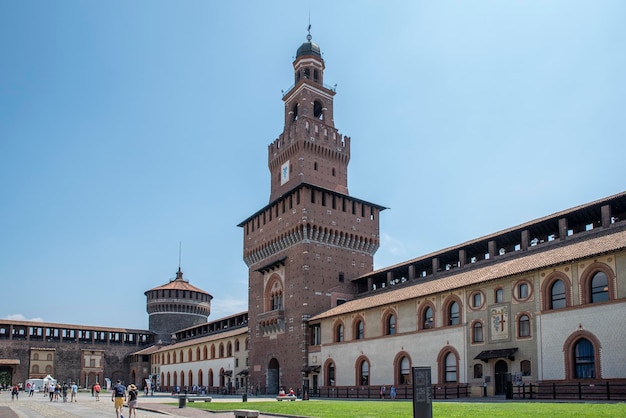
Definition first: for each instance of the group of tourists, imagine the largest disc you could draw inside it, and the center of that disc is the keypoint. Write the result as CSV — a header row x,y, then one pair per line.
x,y
383,392
56,390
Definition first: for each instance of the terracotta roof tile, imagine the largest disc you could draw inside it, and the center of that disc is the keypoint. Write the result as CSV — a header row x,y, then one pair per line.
x,y
561,254
213,337
179,285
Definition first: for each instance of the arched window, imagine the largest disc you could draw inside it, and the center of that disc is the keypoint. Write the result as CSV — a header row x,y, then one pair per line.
x,y
477,332
237,345
524,367
339,333
205,353
35,369
48,369
212,351
405,371
454,314
189,356
450,368
599,288
584,360
190,378
229,349
448,365
557,295
36,356
197,353
555,292
523,326
428,319
582,356
359,330
597,283
364,372
221,350
390,324
330,374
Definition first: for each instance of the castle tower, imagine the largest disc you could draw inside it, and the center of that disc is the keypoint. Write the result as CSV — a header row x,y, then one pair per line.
x,y
303,248
176,305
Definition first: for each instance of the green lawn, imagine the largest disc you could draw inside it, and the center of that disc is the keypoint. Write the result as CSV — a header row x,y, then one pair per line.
x,y
366,409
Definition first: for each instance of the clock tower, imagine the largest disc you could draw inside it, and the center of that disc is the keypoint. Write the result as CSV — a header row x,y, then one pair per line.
x,y
304,248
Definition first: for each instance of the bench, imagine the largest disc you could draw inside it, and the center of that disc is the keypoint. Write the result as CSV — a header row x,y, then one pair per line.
x,y
199,399
286,397
241,413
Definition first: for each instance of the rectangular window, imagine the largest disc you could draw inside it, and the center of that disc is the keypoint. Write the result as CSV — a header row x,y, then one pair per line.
x,y
316,334
499,295
523,291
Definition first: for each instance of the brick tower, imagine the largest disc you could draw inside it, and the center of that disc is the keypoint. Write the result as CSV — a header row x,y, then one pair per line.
x,y
176,305
303,248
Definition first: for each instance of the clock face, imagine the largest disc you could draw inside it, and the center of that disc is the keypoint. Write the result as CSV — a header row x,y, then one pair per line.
x,y
284,173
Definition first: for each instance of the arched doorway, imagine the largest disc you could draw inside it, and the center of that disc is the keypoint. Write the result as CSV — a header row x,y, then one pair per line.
x,y
273,373
501,371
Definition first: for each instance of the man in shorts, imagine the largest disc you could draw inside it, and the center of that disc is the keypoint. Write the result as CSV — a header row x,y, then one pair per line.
x,y
118,395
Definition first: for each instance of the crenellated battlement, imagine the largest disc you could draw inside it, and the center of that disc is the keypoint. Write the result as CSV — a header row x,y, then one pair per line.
x,y
309,130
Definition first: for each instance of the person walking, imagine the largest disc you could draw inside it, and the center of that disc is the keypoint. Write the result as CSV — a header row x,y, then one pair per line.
x,y
51,387
133,393
118,395
64,390
15,392
96,389
74,389
392,392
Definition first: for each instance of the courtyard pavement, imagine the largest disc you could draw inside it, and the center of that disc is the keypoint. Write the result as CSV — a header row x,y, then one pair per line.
x,y
86,406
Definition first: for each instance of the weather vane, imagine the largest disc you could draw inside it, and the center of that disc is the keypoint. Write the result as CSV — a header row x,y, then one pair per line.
x,y
309,37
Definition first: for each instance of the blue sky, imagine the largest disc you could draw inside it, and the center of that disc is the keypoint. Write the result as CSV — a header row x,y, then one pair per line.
x,y
129,127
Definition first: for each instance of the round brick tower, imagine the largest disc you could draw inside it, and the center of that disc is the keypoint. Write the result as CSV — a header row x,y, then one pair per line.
x,y
176,305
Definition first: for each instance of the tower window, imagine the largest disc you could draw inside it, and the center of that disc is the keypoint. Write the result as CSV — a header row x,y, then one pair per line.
x,y
315,75
307,73
294,112
315,166
318,109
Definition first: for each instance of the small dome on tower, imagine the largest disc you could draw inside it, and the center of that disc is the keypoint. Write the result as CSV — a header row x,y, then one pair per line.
x,y
309,48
